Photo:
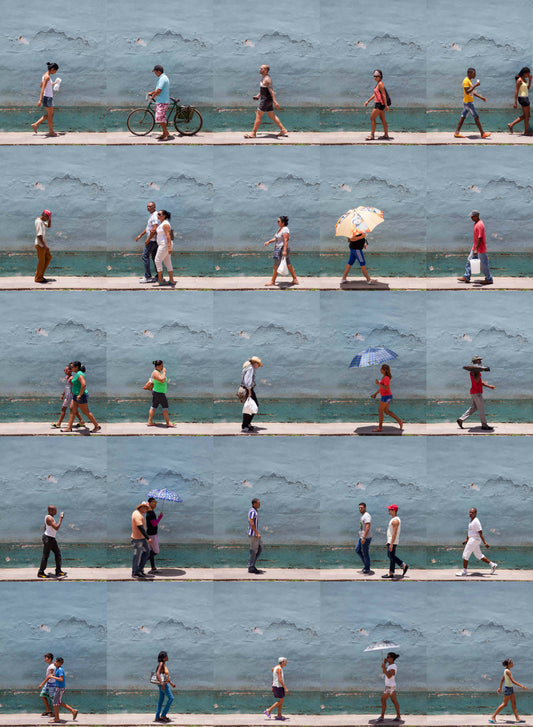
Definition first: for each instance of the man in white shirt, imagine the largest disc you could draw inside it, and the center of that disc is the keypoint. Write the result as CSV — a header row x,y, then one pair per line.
x,y
50,542
365,538
150,244
41,248
393,539
472,544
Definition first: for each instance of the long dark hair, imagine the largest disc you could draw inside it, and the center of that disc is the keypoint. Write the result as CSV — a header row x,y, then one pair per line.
x,y
78,365
52,66
284,220
162,656
521,73
157,362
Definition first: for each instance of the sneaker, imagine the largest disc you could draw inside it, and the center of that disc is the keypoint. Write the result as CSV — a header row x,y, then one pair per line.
x,y
146,280
493,567
379,719
138,575
267,714
254,570
460,423
367,572
246,430
461,574
405,569
42,575
61,574
343,281
487,428
387,575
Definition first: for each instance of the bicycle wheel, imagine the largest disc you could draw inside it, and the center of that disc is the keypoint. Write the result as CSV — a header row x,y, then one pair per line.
x,y
188,120
141,122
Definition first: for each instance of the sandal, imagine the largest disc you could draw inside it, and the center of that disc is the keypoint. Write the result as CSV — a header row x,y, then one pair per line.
x,y
369,138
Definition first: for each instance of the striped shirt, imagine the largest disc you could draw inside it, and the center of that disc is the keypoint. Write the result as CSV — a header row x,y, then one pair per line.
x,y
252,515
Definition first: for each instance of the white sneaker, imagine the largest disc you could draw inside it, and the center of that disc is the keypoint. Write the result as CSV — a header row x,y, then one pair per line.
x,y
343,281
493,567
145,280
462,573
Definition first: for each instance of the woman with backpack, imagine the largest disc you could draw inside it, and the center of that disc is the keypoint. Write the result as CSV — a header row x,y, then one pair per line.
x,y
164,248
381,104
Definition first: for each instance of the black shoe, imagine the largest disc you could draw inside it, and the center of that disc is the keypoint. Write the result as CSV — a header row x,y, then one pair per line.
x,y
367,572
405,569
460,423
44,280
138,575
387,575
246,430
487,428
486,282
254,570
42,575
60,574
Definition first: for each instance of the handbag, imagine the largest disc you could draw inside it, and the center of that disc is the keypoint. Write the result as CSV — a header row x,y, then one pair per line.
x,y
242,394
282,267
149,385
155,680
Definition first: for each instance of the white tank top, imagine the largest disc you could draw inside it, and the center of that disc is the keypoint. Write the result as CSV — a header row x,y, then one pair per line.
x,y
48,529
161,233
278,671
48,89
389,531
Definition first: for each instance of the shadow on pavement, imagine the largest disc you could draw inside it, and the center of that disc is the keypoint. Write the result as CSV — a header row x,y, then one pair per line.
x,y
369,430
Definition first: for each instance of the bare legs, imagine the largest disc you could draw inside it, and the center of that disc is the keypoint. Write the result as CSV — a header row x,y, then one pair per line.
x,y
275,274
363,270
151,418
478,124
373,116
524,118
257,124
394,700
50,118
164,131
85,409
62,416
505,702
384,409
278,704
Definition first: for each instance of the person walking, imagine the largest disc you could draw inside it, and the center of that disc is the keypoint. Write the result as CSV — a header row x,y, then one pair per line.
x,y
50,543
386,397
380,107
152,523
389,669
47,686
365,538
159,393
150,244
44,255
521,96
248,382
469,91
161,96
476,392
357,244
80,397
66,398
165,683
46,99
507,682
479,250
393,539
472,544
60,683
164,248
281,250
254,536
267,104
279,689
140,540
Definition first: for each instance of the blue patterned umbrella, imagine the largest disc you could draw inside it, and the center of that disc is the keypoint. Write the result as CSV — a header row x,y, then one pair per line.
x,y
165,494
373,357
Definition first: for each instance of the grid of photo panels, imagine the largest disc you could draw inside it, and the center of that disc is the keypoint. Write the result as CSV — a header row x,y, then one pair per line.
x,y
266,381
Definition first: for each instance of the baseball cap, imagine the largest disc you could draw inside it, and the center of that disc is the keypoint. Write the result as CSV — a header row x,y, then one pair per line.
x,y
47,212
392,507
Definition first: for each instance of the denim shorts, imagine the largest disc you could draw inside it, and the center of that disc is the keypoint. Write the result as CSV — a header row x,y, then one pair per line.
x,y
387,398
48,102
469,108
507,691
81,398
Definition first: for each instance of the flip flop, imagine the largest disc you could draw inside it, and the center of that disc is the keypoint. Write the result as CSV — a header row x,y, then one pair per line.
x,y
250,136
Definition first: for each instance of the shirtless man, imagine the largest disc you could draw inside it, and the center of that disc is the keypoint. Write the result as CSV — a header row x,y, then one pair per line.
x,y
267,104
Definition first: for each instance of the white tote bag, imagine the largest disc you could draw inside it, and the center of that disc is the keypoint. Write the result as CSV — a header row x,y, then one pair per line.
x,y
250,407
475,266
282,267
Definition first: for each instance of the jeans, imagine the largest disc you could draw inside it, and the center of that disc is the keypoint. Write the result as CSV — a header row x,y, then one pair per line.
x,y
141,551
255,550
477,405
484,262
362,550
247,418
149,252
50,544
393,558
162,693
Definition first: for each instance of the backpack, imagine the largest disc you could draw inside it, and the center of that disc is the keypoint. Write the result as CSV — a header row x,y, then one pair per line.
x,y
172,234
387,97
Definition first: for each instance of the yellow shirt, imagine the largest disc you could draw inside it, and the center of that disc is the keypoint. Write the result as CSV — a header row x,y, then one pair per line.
x,y
468,97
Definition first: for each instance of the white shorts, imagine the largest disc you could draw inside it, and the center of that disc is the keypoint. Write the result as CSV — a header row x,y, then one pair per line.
x,y
389,690
473,546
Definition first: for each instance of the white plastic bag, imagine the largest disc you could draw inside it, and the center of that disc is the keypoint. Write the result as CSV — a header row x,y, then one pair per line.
x,y
475,266
56,85
282,267
250,407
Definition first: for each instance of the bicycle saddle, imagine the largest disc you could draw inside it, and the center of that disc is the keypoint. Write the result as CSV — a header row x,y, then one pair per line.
x,y
174,99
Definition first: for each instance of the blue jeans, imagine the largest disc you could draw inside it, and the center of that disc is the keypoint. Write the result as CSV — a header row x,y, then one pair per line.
x,y
162,692
484,262
149,252
141,551
362,550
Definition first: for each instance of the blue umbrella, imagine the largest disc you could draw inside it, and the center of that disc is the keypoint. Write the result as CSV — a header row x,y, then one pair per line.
x,y
165,494
373,357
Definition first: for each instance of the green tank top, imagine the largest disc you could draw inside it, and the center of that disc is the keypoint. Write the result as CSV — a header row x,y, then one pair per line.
x,y
160,387
76,384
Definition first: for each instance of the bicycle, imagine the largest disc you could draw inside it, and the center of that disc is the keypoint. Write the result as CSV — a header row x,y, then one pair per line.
x,y
187,119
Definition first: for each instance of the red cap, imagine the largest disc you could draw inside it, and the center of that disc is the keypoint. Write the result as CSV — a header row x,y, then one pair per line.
x,y
47,212
392,507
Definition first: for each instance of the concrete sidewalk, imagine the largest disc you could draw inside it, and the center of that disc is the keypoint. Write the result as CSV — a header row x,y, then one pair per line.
x,y
23,282
271,574
279,429
253,720
236,138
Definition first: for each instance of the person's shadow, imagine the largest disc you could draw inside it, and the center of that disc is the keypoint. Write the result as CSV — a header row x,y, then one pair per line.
x,y
169,573
388,429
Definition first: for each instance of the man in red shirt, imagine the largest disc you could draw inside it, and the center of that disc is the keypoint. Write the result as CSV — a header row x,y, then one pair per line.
x,y
479,250
476,391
